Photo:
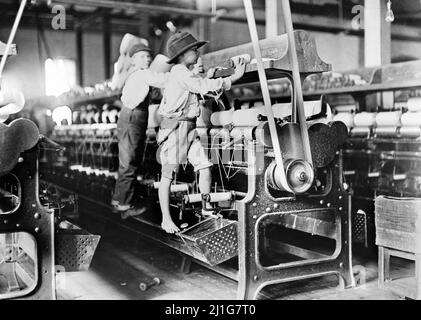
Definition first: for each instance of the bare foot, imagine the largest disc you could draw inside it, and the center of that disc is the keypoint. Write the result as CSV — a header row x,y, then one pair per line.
x,y
169,226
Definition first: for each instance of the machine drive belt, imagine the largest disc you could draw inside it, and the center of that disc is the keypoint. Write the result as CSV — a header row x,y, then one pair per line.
x,y
286,9
265,92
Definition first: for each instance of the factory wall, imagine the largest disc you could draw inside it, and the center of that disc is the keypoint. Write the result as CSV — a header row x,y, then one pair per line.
x,y
26,70
401,48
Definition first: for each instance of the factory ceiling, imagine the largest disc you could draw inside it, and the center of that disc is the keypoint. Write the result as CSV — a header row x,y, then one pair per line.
x,y
125,17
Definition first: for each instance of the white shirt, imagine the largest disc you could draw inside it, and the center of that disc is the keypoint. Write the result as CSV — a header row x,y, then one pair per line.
x,y
137,86
180,94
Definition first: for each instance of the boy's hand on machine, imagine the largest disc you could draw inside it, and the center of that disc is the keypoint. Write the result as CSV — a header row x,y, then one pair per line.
x,y
169,227
240,68
211,73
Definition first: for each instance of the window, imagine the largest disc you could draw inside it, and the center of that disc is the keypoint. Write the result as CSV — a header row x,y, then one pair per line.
x,y
60,76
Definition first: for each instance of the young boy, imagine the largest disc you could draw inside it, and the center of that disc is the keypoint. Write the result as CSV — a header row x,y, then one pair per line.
x,y
180,109
131,128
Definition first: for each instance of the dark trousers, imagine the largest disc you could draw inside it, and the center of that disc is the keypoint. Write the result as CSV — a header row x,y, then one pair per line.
x,y
131,133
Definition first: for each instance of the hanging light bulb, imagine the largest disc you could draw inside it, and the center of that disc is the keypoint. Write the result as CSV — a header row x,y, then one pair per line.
x,y
390,17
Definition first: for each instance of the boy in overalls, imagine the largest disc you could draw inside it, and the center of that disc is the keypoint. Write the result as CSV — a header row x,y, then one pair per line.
x,y
131,128
180,109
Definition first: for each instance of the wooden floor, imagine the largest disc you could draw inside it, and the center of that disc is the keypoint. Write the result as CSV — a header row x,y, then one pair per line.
x,y
119,266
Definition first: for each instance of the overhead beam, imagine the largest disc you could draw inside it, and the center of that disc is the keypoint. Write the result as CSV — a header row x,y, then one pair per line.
x,y
90,18
112,4
301,21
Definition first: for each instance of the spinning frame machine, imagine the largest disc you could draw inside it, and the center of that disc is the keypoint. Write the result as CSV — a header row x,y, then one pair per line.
x,y
274,174
35,244
284,161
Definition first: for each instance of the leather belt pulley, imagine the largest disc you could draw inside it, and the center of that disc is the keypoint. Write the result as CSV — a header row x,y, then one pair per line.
x,y
294,175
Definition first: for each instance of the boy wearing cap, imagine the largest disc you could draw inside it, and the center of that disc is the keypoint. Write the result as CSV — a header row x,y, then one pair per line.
x,y
180,109
131,127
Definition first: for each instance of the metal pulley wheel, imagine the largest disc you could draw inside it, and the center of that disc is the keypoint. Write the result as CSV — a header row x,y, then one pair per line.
x,y
299,175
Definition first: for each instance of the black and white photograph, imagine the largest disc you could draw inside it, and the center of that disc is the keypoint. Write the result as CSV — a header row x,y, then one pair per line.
x,y
214,156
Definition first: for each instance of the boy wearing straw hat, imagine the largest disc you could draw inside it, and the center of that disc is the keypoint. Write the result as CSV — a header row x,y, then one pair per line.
x,y
180,109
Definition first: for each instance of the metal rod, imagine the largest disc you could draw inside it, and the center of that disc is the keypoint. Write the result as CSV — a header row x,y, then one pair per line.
x,y
286,9
12,36
137,6
79,54
106,42
265,92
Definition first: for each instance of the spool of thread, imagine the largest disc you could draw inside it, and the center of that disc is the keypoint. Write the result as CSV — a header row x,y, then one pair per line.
x,y
83,117
360,131
76,117
217,197
345,117
182,187
154,118
365,119
222,118
104,116
411,119
97,117
410,132
386,131
247,117
113,115
414,104
388,119
193,198
282,110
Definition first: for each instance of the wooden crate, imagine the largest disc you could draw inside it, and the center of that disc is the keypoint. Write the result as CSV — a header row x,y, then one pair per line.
x,y
398,223
398,233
